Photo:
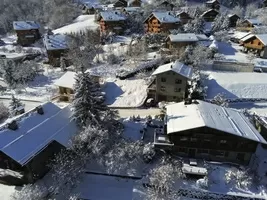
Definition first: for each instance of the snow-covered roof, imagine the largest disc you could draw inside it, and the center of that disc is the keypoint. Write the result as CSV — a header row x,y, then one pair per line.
x,y
182,117
262,38
166,17
231,15
212,1
55,42
183,37
93,5
36,131
132,9
202,37
249,36
25,25
176,67
67,80
240,35
210,10
112,16
253,21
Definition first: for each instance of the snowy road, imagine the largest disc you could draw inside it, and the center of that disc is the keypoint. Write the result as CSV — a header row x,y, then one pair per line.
x,y
142,112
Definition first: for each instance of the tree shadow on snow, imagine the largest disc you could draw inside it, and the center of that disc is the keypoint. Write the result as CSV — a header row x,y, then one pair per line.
x,y
226,49
113,91
214,88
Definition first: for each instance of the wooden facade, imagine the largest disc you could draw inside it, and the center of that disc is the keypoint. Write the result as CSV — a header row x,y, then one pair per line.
x,y
177,45
233,20
27,37
65,94
211,144
213,4
210,15
120,4
116,27
35,168
184,17
153,25
256,46
245,25
135,3
55,55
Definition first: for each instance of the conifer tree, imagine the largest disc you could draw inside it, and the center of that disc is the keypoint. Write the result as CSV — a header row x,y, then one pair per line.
x,y
14,104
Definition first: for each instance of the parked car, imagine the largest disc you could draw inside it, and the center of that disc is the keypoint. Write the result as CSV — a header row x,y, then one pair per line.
x,y
257,69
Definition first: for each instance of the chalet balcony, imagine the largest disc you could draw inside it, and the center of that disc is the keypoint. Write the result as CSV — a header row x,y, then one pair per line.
x,y
161,140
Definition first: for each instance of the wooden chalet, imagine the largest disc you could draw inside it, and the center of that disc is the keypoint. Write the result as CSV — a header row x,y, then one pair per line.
x,y
198,129
165,5
56,46
66,84
210,15
233,18
161,22
184,39
248,24
112,21
120,4
134,3
27,32
132,11
91,9
30,142
213,4
256,44
184,17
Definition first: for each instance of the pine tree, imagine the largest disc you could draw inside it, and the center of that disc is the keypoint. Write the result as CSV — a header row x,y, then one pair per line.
x,y
88,104
14,104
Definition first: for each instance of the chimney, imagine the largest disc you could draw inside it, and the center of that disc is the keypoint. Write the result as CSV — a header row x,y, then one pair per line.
x,y
171,66
40,110
13,125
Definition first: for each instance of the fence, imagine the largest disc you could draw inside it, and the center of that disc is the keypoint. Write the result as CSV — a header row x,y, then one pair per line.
x,y
232,66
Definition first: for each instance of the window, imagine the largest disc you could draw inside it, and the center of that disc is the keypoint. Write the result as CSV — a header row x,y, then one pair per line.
x,y
193,139
259,43
183,150
163,79
217,153
223,141
203,151
174,97
163,88
177,89
240,156
178,81
183,139
251,42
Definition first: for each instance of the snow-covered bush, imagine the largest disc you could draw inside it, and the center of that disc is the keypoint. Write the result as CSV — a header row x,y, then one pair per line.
x,y
149,152
220,100
4,112
31,192
18,49
203,183
241,178
112,59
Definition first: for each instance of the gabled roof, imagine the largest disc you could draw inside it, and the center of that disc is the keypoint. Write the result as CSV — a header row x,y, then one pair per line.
x,y
176,67
67,80
248,37
55,42
93,5
112,16
165,17
210,10
212,1
240,35
232,15
36,131
183,37
182,117
25,25
132,9
262,38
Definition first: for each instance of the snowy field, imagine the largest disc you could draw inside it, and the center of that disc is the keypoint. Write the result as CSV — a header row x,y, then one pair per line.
x,y
80,24
41,89
237,85
258,108
125,93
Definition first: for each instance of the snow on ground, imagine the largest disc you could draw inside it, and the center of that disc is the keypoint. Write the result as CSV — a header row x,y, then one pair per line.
x,y
132,129
81,23
41,89
258,108
7,191
231,52
125,93
237,85
96,187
